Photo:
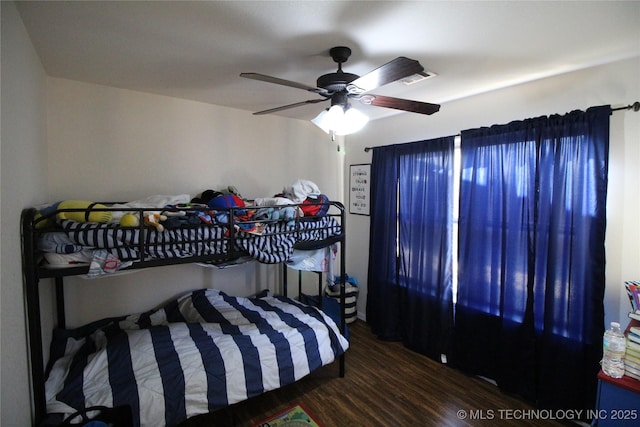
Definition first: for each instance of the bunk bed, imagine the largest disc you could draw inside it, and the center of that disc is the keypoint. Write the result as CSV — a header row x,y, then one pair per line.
x,y
257,339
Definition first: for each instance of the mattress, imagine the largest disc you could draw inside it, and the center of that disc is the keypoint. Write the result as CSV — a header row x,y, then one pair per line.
x,y
193,355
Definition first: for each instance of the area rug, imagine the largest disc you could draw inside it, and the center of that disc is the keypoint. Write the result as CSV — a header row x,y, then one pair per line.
x,y
295,416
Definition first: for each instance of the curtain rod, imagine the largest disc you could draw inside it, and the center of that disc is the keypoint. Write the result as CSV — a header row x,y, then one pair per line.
x,y
635,107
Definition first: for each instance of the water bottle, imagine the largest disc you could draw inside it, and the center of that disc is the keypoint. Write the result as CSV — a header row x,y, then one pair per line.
x,y
613,349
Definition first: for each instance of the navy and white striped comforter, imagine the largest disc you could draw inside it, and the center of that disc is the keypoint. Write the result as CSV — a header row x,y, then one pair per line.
x,y
275,245
194,355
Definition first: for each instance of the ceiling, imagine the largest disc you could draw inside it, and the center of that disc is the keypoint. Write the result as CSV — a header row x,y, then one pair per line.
x,y
196,50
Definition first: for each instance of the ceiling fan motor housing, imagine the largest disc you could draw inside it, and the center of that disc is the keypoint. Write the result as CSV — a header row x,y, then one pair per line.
x,y
340,98
335,82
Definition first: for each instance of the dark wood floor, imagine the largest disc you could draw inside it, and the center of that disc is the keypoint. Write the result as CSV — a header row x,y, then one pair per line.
x,y
385,385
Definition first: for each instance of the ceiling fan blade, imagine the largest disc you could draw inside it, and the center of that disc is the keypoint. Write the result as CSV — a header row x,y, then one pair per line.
x,y
392,71
286,107
400,104
279,81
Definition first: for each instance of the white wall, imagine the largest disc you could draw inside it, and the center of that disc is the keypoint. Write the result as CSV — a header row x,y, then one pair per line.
x,y
623,204
616,84
108,144
23,171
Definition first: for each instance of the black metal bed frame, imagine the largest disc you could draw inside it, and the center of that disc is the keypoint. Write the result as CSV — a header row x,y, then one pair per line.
x,y
33,271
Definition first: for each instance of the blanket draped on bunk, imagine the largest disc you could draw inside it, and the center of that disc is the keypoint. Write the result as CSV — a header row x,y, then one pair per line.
x,y
195,354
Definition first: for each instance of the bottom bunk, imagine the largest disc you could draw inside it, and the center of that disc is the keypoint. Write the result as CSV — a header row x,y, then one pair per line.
x,y
193,355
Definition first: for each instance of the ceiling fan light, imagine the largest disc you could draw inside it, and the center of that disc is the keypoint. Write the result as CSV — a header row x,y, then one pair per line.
x,y
328,120
353,121
322,121
335,114
339,121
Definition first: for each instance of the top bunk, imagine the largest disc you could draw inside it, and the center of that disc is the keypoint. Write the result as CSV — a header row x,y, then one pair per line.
x,y
75,237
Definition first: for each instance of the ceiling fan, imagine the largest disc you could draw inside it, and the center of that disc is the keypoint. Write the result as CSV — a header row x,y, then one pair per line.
x,y
340,87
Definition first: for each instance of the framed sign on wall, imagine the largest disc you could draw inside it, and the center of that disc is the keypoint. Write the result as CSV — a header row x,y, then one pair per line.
x,y
359,181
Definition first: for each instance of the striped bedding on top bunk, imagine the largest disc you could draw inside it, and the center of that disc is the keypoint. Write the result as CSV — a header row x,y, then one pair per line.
x,y
274,245
277,242
124,242
194,355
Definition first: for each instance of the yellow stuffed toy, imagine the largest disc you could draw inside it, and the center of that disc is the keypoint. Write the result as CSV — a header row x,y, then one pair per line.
x,y
129,220
88,215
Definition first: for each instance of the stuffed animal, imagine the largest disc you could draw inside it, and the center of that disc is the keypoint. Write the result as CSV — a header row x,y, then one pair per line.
x,y
288,213
88,215
129,220
155,220
285,213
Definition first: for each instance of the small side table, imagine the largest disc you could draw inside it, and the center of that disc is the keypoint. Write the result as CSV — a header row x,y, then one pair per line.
x,y
618,402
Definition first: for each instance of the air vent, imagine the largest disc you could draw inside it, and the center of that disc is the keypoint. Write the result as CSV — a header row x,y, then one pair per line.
x,y
418,77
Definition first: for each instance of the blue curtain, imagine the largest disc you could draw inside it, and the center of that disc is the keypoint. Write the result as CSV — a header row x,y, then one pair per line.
x,y
410,271
529,309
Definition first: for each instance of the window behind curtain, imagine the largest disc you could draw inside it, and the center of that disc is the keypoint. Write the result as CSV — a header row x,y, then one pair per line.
x,y
495,221
531,263
409,293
